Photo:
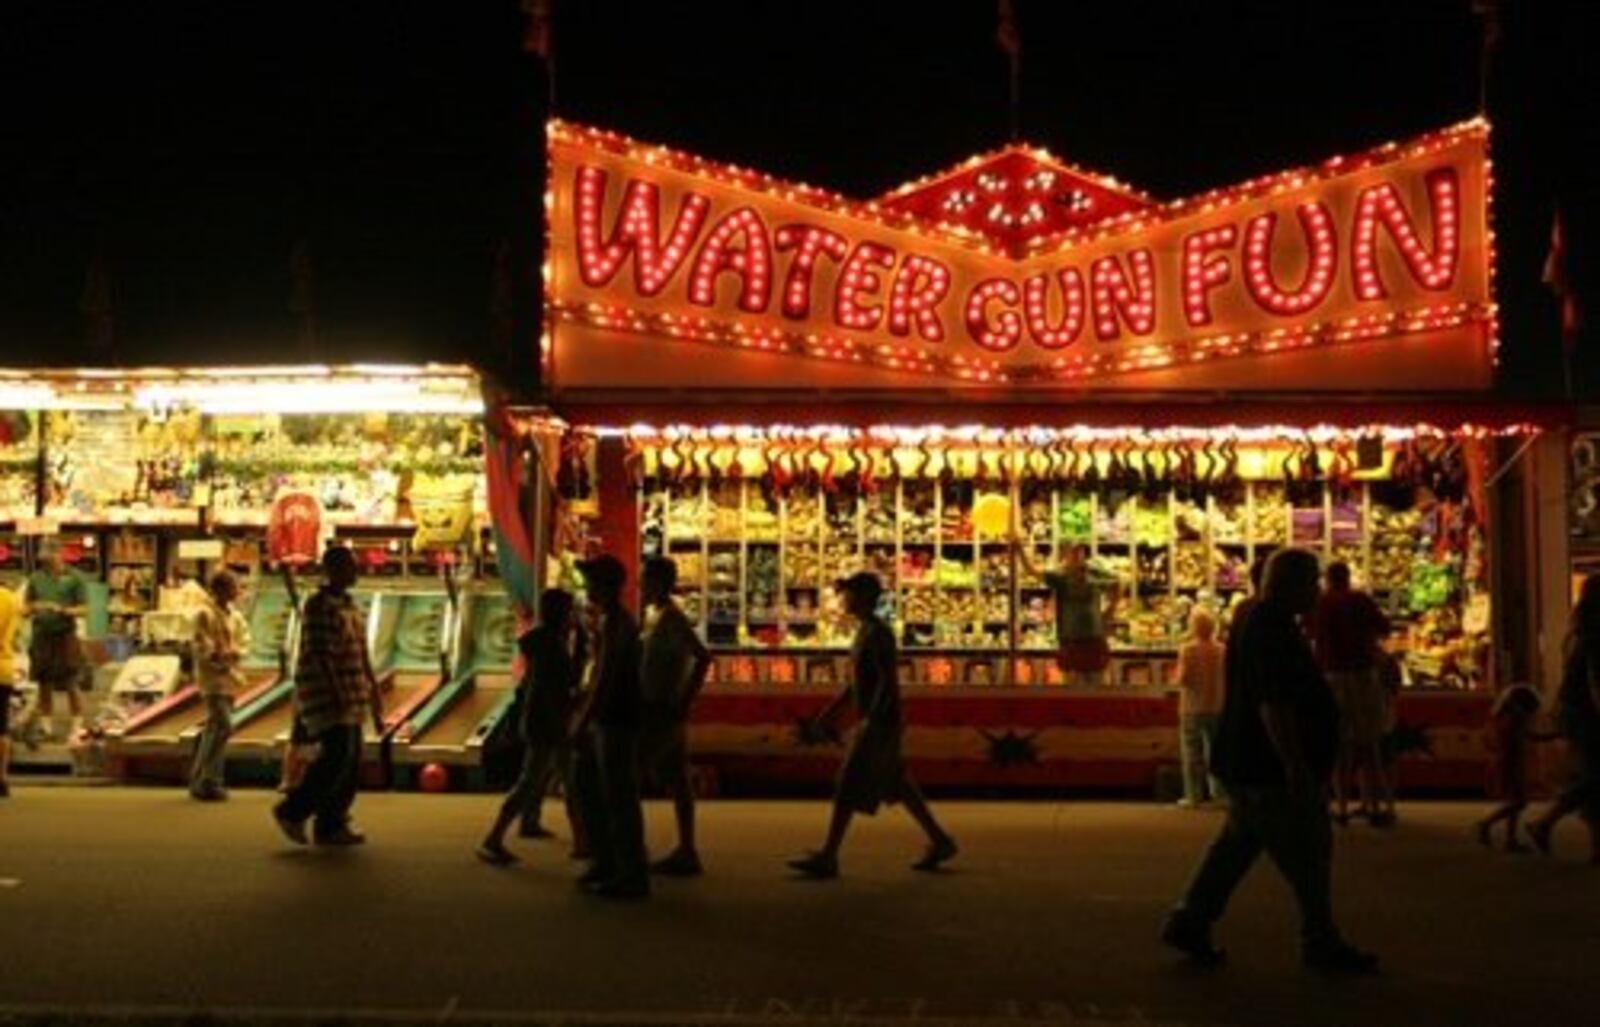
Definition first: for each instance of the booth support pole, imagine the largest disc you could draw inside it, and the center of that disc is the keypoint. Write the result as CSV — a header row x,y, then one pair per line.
x,y
1551,566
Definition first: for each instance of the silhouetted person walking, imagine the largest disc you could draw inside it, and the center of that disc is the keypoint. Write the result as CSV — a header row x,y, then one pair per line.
x,y
872,772
1580,722
335,693
1511,728
1276,747
551,665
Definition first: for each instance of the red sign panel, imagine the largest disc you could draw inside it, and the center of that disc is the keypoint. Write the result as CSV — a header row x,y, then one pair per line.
x,y
1369,272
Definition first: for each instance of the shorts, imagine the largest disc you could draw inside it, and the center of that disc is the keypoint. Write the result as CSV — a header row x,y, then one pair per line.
x,y
6,692
56,661
1363,707
872,773
663,751
1085,655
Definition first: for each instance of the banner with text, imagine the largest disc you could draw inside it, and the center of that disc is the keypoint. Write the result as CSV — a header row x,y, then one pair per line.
x,y
1366,272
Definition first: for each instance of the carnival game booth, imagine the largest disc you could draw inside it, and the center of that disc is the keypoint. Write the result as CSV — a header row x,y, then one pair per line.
x,y
152,477
777,386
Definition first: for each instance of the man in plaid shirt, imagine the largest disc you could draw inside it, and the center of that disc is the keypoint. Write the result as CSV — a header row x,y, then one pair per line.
x,y
335,692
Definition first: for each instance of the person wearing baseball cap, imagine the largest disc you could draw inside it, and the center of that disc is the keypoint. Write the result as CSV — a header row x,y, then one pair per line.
x,y
606,742
872,772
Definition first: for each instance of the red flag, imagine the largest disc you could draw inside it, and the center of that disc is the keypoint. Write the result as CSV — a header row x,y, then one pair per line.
x,y
1555,276
1006,33
536,33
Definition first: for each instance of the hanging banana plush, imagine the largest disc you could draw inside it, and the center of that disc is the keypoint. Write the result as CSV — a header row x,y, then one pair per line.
x,y
1038,461
700,453
822,459
683,449
633,463
1091,469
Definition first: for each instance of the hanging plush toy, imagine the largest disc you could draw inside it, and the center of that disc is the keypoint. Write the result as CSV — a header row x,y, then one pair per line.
x,y
1341,473
443,510
566,478
633,463
1038,461
1057,466
991,515
1091,476
725,461
666,461
684,467
700,454
1155,472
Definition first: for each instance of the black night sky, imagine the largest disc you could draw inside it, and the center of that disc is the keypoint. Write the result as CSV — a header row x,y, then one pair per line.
x,y
187,148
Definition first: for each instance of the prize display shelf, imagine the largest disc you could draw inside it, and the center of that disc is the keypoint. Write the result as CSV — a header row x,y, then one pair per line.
x,y
132,573
756,567
19,464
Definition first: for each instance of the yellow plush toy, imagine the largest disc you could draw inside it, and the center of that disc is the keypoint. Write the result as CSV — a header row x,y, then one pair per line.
x,y
443,510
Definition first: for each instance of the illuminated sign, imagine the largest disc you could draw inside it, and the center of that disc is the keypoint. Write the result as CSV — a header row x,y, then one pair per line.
x,y
1378,256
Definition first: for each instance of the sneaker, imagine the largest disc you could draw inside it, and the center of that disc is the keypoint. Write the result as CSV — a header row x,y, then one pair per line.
x,y
535,832
1193,939
208,794
817,865
496,855
938,854
5,790
1341,958
1185,803
1384,819
294,830
681,863
341,838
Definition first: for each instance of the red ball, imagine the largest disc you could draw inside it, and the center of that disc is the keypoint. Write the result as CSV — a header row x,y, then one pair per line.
x,y
434,778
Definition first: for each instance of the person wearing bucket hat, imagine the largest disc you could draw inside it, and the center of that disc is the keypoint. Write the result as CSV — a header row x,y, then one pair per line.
x,y
872,772
606,742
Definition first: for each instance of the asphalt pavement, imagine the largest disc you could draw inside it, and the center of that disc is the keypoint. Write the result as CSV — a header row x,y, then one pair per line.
x,y
142,906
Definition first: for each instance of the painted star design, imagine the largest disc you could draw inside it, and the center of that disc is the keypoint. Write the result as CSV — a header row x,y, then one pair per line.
x,y
1011,748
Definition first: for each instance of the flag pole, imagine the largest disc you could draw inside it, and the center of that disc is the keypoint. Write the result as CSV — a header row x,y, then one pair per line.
x,y
1488,12
1016,97
1009,38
